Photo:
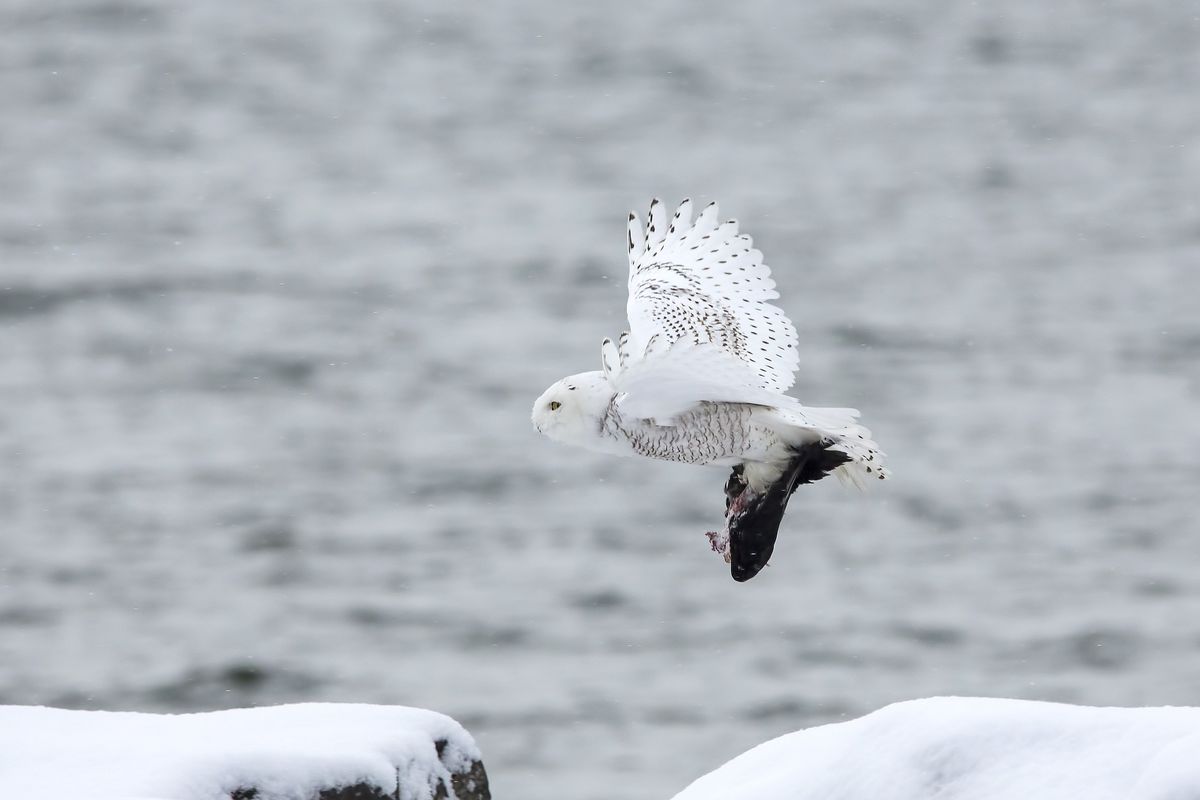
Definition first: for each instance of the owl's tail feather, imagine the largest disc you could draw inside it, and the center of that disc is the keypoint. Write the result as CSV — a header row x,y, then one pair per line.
x,y
839,429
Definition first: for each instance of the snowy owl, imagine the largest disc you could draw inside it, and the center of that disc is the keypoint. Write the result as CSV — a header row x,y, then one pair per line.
x,y
700,376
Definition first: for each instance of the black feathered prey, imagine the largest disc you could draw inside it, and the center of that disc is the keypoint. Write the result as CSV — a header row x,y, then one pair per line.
x,y
752,519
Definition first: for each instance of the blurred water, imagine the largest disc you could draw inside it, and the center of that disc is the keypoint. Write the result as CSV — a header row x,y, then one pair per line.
x,y
279,282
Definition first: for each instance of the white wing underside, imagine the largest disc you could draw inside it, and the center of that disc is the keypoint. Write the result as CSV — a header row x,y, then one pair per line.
x,y
667,381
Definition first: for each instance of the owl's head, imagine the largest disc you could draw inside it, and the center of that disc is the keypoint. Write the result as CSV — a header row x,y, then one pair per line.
x,y
570,410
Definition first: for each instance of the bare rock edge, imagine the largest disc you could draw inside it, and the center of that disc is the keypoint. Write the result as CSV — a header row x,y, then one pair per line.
x,y
471,784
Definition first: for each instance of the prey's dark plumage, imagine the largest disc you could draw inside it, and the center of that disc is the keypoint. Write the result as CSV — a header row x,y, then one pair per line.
x,y
753,519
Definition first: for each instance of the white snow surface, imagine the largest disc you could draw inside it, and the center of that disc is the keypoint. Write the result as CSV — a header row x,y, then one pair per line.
x,y
287,752
960,747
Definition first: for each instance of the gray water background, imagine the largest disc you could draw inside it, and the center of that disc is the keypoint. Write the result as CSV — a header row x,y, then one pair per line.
x,y
279,283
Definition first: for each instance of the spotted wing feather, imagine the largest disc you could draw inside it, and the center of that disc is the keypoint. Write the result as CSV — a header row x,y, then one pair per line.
x,y
703,281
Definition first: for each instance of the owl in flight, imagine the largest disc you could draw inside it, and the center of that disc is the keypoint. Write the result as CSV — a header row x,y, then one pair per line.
x,y
700,377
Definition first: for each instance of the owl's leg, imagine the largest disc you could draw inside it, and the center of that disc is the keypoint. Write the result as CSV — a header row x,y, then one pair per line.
x,y
735,489
734,486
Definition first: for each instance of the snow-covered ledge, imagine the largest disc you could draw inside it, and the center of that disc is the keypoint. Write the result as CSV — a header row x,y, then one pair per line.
x,y
314,751
955,748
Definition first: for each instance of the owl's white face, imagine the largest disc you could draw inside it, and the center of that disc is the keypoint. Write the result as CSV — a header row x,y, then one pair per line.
x,y
571,409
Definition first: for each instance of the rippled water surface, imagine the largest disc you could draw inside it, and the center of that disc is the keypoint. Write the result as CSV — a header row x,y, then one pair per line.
x,y
279,282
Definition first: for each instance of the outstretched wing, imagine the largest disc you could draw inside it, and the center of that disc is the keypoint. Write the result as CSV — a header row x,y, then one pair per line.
x,y
667,380
705,283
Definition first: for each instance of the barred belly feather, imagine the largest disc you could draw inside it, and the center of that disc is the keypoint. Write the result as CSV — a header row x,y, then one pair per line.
x,y
711,433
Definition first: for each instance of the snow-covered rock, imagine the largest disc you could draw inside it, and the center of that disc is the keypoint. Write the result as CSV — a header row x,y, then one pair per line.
x,y
981,749
293,752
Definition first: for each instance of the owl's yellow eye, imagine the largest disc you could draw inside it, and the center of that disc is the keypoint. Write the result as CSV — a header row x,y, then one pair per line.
x,y
555,405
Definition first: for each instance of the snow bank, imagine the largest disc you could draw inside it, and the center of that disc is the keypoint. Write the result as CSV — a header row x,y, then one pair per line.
x,y
284,752
950,747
